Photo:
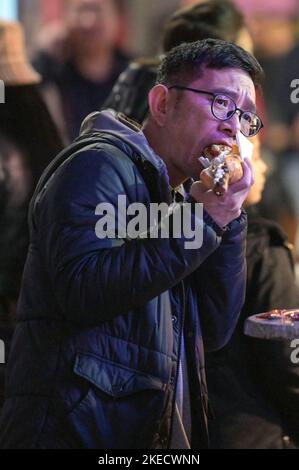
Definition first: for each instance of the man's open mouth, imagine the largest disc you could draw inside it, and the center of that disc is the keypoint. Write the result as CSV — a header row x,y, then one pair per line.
x,y
215,150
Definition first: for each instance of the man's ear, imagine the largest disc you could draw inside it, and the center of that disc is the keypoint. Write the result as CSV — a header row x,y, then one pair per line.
x,y
157,100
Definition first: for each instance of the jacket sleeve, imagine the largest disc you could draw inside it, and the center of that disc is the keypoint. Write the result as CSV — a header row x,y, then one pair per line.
x,y
221,284
96,279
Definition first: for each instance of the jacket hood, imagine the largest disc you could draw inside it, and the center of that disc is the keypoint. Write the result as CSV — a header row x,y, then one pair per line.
x,y
119,125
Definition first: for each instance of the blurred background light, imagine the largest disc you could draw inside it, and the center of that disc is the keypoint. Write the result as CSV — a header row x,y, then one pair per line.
x,y
9,9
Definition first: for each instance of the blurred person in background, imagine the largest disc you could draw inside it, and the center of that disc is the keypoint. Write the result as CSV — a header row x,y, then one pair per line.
x,y
273,26
254,405
80,62
28,142
253,385
218,19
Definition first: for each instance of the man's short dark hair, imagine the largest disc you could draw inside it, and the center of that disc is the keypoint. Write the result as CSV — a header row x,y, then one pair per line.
x,y
186,62
217,19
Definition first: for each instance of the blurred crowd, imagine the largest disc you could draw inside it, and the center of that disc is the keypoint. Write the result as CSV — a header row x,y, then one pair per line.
x,y
80,66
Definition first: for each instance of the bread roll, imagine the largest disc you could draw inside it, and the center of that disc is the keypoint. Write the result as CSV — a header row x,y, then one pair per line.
x,y
225,168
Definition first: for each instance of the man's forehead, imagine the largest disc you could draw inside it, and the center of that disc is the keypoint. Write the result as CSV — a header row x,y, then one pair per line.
x,y
226,75
230,81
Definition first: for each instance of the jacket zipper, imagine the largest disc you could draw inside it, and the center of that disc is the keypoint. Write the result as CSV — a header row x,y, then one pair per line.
x,y
178,363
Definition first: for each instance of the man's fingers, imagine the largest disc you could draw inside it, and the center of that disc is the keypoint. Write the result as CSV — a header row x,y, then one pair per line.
x,y
248,179
198,190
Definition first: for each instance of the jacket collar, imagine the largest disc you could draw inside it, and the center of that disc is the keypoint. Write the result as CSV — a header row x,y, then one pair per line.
x,y
129,131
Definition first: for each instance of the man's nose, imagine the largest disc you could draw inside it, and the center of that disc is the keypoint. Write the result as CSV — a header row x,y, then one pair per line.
x,y
231,126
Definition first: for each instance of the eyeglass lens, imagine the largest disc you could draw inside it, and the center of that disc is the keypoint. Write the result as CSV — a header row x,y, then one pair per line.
x,y
224,107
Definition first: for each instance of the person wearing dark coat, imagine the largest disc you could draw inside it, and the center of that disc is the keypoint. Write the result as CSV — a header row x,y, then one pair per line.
x,y
28,142
81,60
254,387
115,325
253,384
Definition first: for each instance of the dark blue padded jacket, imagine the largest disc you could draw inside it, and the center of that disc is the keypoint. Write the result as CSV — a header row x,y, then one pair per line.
x,y
94,359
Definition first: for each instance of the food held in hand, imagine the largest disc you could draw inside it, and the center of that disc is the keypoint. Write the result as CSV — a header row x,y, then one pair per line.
x,y
223,166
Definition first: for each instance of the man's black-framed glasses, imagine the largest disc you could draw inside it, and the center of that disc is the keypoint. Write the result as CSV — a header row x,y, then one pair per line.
x,y
223,108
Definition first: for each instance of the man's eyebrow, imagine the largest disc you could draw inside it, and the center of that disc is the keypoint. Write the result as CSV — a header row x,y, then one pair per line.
x,y
251,106
234,95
